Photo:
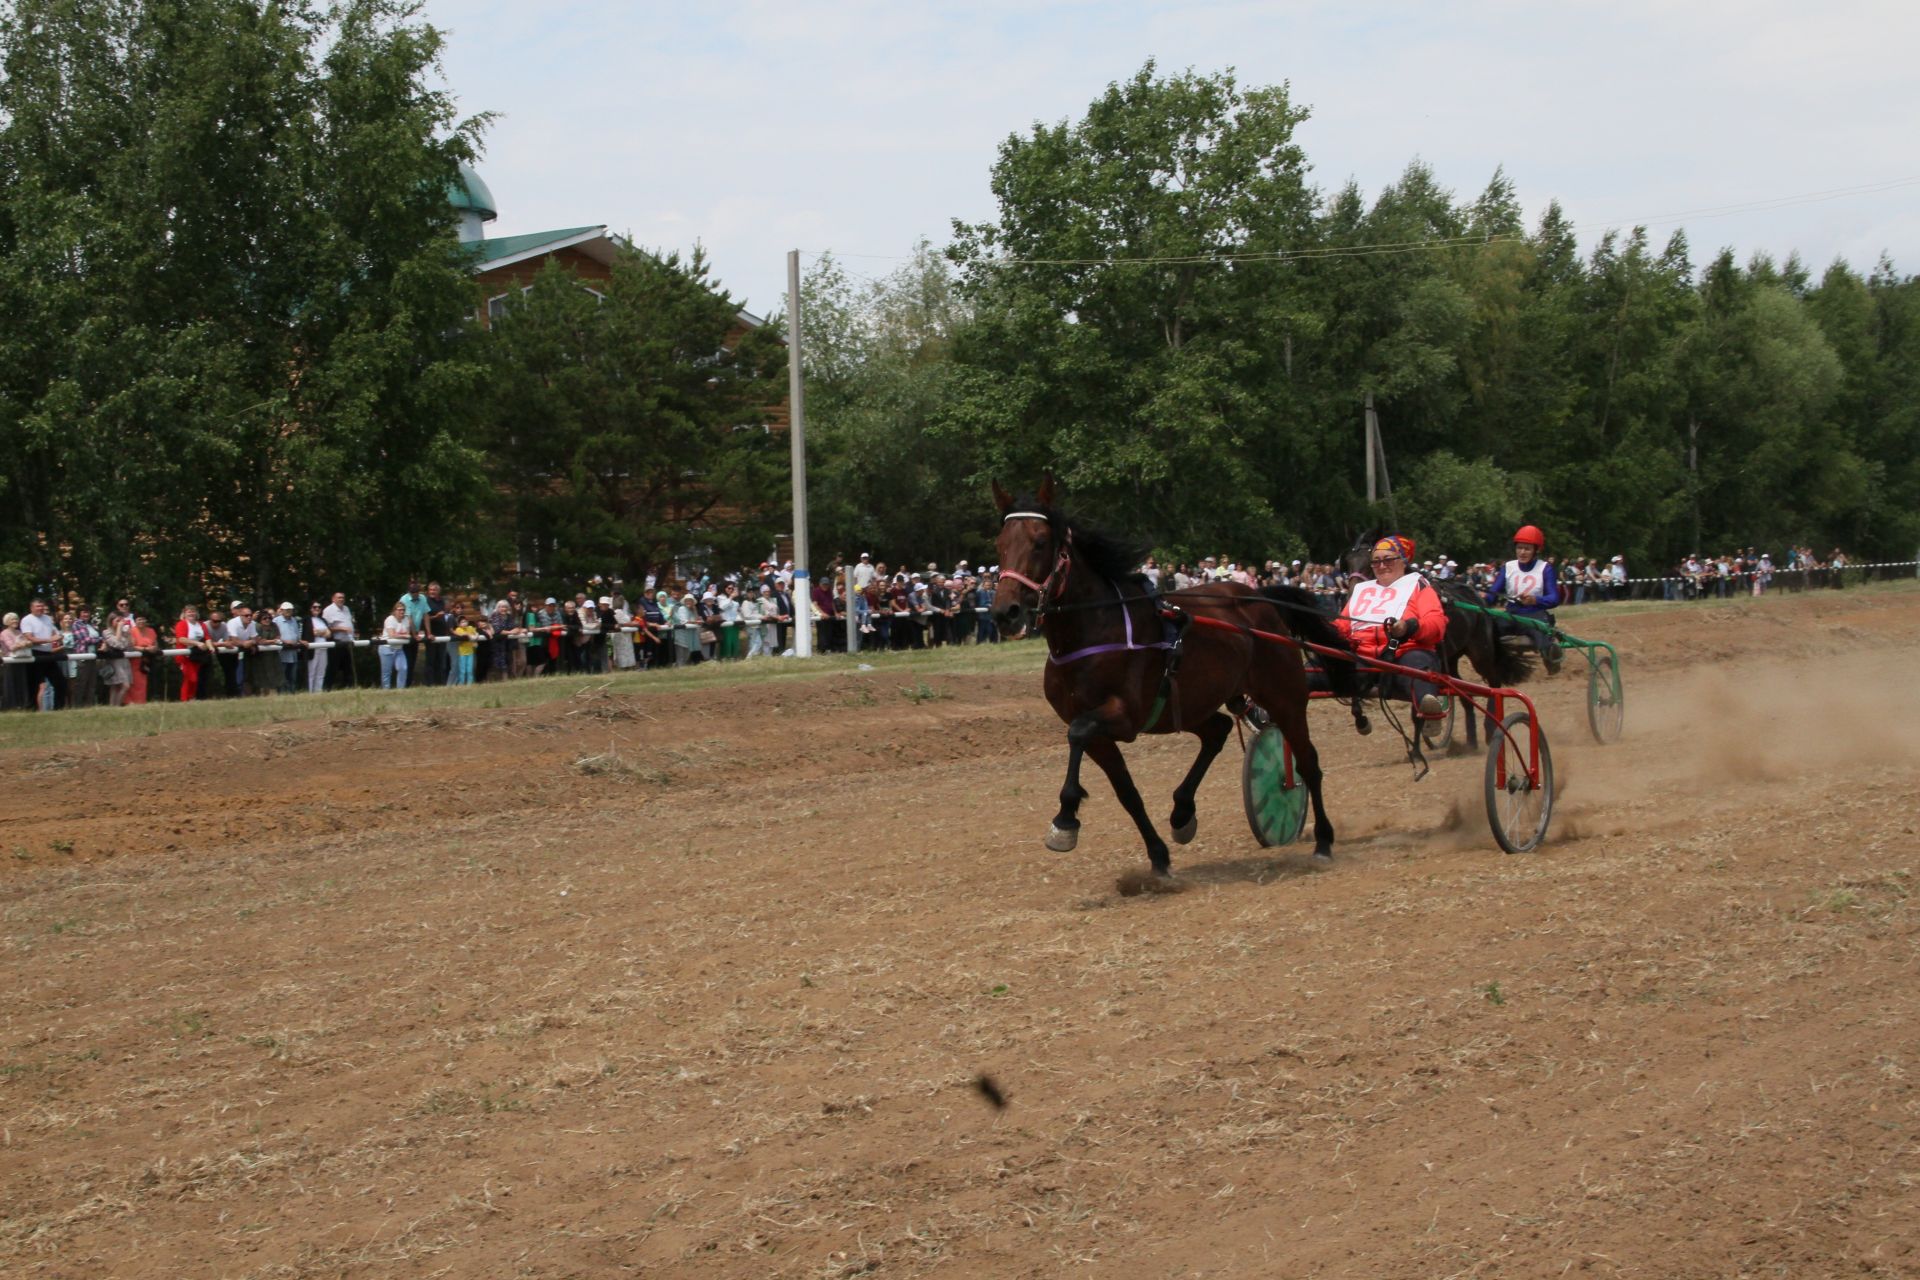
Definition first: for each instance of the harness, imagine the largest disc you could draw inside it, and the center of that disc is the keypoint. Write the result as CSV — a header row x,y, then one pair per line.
x,y
1173,621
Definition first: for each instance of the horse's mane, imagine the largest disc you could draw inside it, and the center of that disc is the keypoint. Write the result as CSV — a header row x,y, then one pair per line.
x,y
1113,557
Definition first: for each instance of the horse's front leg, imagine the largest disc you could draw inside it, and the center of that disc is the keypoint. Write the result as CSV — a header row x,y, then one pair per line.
x,y
1065,831
1212,732
1106,753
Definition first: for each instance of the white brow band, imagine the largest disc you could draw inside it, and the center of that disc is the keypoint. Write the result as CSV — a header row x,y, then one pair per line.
x,y
1026,515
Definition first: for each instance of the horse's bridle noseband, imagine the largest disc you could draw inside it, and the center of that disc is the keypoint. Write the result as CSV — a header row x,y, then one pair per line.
x,y
1061,567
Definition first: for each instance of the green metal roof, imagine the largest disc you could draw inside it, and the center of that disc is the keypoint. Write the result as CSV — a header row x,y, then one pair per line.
x,y
486,251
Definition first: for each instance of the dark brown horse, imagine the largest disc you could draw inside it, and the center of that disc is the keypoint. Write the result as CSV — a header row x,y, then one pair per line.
x,y
1116,668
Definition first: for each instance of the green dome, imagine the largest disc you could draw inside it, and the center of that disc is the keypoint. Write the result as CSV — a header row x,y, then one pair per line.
x,y
470,195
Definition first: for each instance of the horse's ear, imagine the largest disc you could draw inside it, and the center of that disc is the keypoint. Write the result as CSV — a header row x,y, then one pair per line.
x,y
1046,488
1002,498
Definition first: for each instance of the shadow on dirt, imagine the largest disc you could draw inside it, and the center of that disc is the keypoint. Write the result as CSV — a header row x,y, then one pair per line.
x,y
1263,869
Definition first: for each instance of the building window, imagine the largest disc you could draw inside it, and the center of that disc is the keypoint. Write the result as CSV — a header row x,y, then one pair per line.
x,y
496,307
598,297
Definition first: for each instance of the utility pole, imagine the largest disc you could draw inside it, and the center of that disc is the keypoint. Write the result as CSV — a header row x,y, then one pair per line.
x,y
1693,475
1379,483
1372,437
797,439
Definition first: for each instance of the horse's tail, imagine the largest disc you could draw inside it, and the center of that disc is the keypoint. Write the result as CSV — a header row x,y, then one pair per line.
x,y
1307,620
1514,658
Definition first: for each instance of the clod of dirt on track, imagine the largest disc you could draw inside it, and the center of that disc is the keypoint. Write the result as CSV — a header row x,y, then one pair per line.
x,y
1131,884
426,994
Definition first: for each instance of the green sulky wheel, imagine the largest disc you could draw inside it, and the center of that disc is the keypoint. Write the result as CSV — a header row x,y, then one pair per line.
x,y
1276,811
1606,699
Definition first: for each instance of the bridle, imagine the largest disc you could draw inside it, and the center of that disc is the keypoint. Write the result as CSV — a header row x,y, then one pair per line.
x,y
1062,566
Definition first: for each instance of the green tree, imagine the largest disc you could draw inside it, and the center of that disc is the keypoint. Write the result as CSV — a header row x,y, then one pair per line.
x,y
1614,472
1110,337
1463,507
1874,329
1890,423
630,426
1768,463
232,304
885,478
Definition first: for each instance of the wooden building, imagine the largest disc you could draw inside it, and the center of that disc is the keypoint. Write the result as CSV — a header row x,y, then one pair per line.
x,y
504,266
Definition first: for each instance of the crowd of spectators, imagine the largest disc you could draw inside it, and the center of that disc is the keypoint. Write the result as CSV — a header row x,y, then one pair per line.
x,y
124,655
1583,579
427,636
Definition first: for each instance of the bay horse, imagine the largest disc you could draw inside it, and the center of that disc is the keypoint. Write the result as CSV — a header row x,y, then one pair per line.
x,y
1117,668
1500,660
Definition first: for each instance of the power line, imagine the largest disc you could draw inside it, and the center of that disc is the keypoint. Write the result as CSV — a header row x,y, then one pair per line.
x,y
1387,248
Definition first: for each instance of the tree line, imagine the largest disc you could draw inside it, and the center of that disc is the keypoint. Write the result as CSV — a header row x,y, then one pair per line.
x,y
1170,315
239,348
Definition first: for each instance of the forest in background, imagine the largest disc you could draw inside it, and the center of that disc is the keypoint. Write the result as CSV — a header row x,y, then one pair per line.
x,y
1171,316
239,347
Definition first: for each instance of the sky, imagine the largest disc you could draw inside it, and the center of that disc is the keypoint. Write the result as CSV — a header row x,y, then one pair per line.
x,y
859,128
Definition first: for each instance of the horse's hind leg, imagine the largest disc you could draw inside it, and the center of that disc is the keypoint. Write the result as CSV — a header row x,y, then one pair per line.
x,y
1065,831
1106,753
1212,733
1306,761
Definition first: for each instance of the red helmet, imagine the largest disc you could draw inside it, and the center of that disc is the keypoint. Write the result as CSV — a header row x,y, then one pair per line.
x,y
1531,533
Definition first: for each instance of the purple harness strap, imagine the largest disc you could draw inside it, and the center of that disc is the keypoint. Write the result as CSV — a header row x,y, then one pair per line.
x,y
1126,616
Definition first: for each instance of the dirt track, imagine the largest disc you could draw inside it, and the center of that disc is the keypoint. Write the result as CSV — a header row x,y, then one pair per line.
x,y
419,996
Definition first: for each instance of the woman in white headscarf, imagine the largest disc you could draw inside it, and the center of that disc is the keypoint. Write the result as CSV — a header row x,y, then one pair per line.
x,y
748,614
686,631
621,645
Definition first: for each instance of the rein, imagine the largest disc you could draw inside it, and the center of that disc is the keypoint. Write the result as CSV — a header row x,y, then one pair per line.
x,y
1128,646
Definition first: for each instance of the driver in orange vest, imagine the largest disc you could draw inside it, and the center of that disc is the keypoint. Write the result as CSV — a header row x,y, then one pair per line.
x,y
1397,617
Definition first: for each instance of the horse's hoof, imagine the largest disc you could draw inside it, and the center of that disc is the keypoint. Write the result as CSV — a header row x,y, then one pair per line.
x,y
1323,857
1363,726
1184,835
1062,839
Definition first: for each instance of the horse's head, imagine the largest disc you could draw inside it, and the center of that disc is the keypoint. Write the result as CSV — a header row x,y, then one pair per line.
x,y
1357,557
1029,548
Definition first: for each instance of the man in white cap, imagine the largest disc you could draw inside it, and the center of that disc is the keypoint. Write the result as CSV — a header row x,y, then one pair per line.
x,y
287,631
863,572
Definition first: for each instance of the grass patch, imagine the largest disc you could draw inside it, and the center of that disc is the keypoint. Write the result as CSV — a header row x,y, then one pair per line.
x,y
1570,616
102,723
1023,656
1837,900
